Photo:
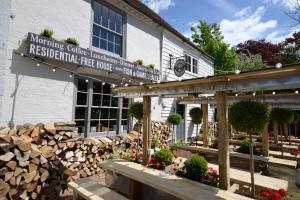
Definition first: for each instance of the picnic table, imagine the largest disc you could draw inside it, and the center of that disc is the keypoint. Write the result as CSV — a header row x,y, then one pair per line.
x,y
179,187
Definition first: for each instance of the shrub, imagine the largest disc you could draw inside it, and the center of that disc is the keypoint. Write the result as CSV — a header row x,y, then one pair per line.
x,y
196,114
164,155
47,33
136,110
155,141
139,62
281,115
72,41
174,118
244,148
242,136
151,66
174,146
196,167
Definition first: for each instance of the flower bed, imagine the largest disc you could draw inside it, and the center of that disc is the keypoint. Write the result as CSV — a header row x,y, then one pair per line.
x,y
194,168
270,194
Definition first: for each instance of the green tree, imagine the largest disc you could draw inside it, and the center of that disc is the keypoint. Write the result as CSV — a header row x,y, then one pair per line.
x,y
209,39
249,116
250,62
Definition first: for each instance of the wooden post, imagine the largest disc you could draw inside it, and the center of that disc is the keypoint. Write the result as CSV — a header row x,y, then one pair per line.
x,y
223,142
146,127
285,130
265,141
275,130
205,124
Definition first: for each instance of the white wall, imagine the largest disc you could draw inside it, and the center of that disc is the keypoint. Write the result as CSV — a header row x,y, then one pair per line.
x,y
4,24
143,42
173,45
34,94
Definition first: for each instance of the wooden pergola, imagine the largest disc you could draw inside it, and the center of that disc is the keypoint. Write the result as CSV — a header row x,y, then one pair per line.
x,y
287,77
284,100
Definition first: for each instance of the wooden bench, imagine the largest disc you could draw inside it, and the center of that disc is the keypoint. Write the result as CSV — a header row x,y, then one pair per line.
x,y
179,187
90,190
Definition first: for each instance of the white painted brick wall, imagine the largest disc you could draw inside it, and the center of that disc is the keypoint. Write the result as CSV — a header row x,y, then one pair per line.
x,y
34,94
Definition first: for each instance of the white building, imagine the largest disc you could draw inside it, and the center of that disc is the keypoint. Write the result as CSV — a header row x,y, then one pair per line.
x,y
40,87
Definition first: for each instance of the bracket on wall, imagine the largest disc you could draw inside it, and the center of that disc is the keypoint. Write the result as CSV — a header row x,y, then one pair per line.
x,y
172,58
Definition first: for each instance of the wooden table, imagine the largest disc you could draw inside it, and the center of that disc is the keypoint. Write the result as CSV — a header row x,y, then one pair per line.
x,y
171,184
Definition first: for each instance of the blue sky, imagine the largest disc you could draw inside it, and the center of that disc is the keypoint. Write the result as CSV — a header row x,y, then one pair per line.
x,y
240,20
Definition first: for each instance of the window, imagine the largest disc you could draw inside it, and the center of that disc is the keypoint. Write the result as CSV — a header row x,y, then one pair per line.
x,y
103,108
195,66
191,64
107,29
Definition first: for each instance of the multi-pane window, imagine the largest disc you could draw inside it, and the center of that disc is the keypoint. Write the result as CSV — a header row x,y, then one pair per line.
x,y
188,63
107,29
191,64
103,108
195,66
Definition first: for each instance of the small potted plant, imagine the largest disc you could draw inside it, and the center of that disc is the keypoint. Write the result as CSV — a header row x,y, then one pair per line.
x,y
151,66
138,62
72,41
47,32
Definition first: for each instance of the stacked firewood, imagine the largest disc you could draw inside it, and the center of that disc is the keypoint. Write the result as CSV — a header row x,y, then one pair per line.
x,y
161,129
36,157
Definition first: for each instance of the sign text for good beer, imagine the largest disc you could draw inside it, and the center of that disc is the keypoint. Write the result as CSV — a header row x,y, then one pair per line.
x,y
52,49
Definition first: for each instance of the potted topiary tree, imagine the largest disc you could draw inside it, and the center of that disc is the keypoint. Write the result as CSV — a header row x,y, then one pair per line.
x,y
136,111
281,116
174,119
249,117
196,114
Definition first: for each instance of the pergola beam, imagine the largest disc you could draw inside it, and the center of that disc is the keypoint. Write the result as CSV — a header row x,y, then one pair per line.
x,y
267,79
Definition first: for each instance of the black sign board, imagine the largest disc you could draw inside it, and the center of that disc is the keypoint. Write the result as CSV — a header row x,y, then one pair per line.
x,y
52,49
179,67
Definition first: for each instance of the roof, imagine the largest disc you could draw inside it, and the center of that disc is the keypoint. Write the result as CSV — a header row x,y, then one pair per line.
x,y
141,7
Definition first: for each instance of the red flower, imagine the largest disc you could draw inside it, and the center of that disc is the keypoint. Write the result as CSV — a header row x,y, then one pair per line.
x,y
283,192
175,155
164,163
150,162
174,168
269,190
157,165
276,196
265,194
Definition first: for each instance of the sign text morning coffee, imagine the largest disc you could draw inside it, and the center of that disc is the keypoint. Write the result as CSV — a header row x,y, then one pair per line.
x,y
52,49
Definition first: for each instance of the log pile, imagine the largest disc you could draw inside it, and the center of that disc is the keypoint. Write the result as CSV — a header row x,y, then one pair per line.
x,y
35,157
161,129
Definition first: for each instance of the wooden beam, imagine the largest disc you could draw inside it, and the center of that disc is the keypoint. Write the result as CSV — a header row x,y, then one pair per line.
x,y
285,130
146,127
223,142
265,141
267,79
205,124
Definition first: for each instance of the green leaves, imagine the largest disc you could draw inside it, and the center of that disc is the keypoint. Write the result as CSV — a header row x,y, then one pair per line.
x,y
136,110
248,116
196,114
174,118
209,38
281,115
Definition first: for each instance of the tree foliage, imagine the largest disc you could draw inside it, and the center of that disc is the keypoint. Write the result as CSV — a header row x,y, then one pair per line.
x,y
196,114
174,118
136,110
248,116
209,39
281,115
267,50
250,62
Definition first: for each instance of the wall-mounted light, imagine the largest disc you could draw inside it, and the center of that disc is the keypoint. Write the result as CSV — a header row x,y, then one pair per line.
x,y
71,75
278,65
237,71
